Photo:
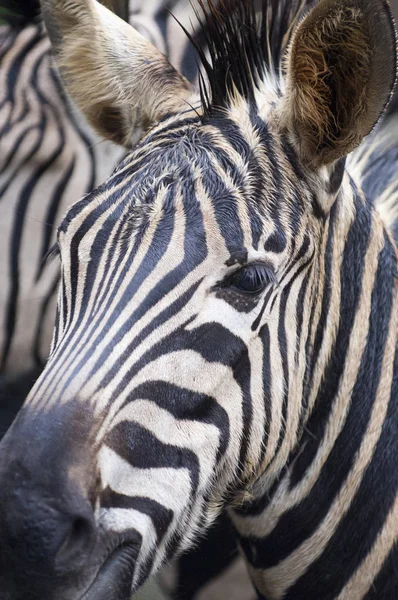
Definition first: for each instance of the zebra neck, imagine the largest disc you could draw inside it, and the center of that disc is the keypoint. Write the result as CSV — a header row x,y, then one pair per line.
x,y
332,500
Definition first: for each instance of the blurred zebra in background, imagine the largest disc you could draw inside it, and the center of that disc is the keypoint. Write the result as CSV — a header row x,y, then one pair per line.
x,y
48,154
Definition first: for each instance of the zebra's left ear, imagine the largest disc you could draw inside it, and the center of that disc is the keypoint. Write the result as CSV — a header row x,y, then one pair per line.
x,y
341,71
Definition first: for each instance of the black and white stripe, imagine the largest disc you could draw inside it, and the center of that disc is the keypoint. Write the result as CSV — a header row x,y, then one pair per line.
x,y
49,157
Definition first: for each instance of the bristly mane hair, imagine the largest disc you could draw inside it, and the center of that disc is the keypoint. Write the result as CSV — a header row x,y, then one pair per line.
x,y
245,40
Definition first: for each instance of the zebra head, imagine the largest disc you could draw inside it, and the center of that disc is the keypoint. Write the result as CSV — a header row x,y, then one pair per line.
x,y
191,285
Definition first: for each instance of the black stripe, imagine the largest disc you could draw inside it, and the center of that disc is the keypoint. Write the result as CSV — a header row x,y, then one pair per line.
x,y
300,314
51,213
142,450
226,210
242,375
11,154
161,517
73,120
267,382
184,405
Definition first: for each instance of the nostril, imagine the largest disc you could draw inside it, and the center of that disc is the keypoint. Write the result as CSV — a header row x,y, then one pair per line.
x,y
76,545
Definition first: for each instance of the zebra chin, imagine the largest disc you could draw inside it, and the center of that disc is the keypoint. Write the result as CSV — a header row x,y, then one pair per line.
x,y
113,580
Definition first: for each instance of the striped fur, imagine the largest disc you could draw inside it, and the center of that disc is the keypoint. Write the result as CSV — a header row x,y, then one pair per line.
x,y
49,156
182,394
46,150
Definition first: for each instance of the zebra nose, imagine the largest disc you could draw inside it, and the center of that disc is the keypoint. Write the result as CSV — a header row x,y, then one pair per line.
x,y
75,542
54,542
46,498
48,535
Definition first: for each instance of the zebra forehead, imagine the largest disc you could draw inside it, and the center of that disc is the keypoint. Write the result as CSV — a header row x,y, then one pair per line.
x,y
221,153
190,167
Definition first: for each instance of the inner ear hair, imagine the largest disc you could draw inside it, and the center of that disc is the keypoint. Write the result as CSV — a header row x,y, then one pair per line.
x,y
341,75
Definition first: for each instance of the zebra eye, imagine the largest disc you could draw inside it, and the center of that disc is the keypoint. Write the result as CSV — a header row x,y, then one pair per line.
x,y
252,279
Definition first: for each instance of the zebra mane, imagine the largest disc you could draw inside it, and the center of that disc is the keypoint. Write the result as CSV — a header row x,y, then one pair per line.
x,y
245,39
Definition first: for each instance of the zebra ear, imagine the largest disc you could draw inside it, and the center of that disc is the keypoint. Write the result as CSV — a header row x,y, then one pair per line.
x,y
121,82
341,71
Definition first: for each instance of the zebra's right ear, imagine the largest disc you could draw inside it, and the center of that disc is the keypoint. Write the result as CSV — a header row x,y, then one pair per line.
x,y
119,80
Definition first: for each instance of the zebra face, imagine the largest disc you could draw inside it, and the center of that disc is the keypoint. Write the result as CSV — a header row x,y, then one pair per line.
x,y
189,280
172,278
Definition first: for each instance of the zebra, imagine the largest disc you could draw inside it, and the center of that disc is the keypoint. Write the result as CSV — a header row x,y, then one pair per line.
x,y
226,331
67,161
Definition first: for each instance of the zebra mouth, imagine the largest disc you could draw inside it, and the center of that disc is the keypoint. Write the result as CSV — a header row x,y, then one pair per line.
x,y
114,578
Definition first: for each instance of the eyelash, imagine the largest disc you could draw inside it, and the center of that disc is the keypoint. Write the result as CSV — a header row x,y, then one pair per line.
x,y
251,279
